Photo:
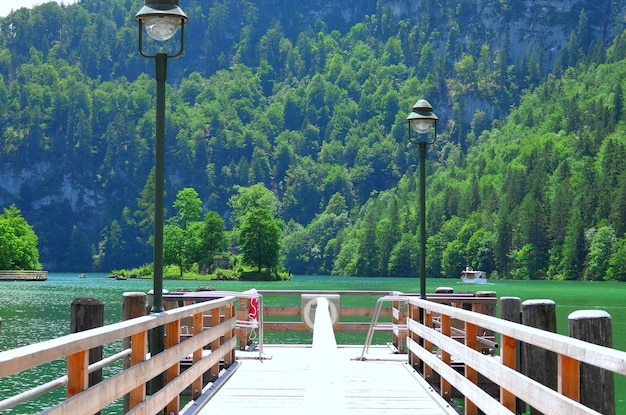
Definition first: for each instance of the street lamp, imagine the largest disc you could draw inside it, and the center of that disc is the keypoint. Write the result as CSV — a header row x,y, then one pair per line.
x,y
161,19
422,121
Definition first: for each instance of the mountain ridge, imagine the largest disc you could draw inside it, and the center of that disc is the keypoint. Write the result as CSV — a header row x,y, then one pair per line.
x,y
264,89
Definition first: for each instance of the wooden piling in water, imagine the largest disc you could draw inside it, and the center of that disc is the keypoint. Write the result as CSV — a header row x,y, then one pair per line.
x,y
88,313
511,309
488,309
597,388
539,364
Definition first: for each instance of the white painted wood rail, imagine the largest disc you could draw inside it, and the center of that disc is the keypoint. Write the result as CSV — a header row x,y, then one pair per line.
x,y
434,346
75,348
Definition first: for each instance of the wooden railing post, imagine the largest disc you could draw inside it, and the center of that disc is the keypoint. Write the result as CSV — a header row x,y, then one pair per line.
x,y
511,310
139,347
427,370
414,315
215,320
446,388
230,313
133,305
596,388
539,364
172,339
77,373
198,327
470,373
395,311
568,377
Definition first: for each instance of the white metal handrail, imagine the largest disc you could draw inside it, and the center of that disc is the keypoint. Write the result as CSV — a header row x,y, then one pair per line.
x,y
375,325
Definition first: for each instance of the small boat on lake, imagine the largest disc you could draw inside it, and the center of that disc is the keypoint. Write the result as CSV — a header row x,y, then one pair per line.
x,y
470,276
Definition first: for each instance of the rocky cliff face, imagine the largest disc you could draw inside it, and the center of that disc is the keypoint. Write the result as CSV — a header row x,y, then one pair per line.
x,y
514,25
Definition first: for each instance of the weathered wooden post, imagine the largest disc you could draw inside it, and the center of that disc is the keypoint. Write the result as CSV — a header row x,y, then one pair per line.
x,y
133,305
511,310
486,308
597,388
88,313
539,364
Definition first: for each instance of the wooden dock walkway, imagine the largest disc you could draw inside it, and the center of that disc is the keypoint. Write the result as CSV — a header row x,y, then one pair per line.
x,y
23,275
297,379
322,378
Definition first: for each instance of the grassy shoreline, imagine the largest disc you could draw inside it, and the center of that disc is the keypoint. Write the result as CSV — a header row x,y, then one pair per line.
x,y
173,273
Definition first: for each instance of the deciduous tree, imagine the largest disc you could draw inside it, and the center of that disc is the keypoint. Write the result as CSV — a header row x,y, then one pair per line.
x,y
18,242
259,238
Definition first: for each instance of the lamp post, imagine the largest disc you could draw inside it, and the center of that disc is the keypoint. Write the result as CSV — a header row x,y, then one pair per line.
x,y
161,19
422,121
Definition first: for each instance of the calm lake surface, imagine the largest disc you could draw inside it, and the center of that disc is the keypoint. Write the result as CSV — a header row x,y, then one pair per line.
x,y
35,311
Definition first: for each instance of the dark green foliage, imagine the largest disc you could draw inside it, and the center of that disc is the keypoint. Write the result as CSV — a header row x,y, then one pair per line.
x,y
18,242
213,238
256,228
259,238
190,241
309,99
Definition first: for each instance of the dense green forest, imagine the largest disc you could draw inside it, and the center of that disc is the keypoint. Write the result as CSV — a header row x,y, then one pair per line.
x,y
309,99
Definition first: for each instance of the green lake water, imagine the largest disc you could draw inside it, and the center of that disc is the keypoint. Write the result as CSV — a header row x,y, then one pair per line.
x,y
35,311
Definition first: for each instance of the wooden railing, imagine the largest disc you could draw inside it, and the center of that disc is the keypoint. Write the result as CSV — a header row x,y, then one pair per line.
x,y
219,336
281,310
212,321
432,344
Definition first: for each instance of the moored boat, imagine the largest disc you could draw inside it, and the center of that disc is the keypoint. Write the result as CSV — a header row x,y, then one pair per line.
x,y
473,277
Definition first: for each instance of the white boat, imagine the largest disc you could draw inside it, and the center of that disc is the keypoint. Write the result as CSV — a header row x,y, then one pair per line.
x,y
473,277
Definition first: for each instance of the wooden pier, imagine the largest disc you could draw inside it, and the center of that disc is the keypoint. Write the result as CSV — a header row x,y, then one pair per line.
x,y
23,275
292,380
417,371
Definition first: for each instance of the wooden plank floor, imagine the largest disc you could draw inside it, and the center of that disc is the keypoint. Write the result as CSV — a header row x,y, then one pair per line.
x,y
300,379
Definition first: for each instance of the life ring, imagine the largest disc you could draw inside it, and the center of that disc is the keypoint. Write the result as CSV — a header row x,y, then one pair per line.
x,y
253,308
308,313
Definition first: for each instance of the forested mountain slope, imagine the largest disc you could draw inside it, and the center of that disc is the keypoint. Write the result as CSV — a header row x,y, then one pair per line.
x,y
541,195
306,97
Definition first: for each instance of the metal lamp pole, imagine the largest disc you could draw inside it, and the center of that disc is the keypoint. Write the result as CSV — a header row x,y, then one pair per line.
x,y
422,217
161,19
422,121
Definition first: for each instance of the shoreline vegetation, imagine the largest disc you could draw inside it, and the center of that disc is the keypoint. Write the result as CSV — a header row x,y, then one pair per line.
x,y
171,272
